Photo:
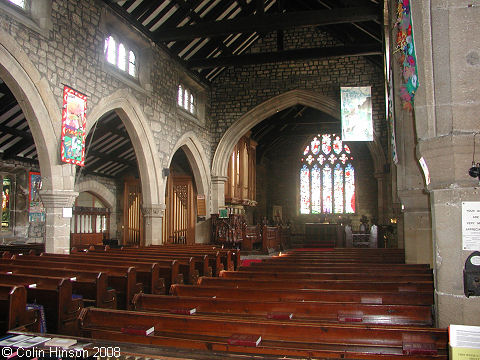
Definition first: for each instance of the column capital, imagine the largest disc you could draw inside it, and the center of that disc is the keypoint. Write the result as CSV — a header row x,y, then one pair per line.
x,y
414,200
58,198
218,179
154,211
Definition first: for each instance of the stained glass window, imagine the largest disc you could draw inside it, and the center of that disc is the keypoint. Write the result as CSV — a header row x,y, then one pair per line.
x,y
305,190
6,193
327,176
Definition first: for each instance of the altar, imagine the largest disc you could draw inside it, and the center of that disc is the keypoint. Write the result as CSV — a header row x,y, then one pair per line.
x,y
324,235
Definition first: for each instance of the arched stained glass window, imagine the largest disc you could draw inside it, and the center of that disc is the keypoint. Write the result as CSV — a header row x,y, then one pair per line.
x,y
327,177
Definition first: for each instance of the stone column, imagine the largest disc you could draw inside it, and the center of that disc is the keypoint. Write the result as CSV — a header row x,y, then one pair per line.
x,y
446,117
383,215
57,227
152,220
416,226
218,192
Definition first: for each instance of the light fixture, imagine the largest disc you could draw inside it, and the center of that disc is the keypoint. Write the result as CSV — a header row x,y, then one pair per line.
x,y
474,171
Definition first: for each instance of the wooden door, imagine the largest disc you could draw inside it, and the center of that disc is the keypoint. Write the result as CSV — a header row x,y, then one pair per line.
x,y
132,213
179,219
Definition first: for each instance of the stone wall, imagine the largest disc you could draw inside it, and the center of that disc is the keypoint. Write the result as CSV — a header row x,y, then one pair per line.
x,y
238,90
66,47
71,52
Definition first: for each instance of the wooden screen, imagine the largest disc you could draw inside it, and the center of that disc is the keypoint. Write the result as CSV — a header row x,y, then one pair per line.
x,y
132,213
89,225
179,219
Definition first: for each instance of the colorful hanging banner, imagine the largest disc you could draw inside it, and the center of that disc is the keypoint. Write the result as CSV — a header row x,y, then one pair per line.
x,y
356,112
408,59
73,126
36,211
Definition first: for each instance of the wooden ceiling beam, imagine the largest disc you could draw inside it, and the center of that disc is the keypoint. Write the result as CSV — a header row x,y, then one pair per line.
x,y
287,55
268,23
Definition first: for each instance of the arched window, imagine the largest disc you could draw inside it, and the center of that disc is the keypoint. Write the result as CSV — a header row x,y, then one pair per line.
x,y
327,177
120,56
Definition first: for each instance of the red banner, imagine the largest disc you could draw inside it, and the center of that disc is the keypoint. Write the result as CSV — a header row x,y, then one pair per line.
x,y
74,121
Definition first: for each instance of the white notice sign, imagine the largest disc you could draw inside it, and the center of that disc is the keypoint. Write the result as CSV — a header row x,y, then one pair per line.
x,y
471,225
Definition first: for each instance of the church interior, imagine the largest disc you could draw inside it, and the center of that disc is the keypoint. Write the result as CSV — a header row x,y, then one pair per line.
x,y
216,179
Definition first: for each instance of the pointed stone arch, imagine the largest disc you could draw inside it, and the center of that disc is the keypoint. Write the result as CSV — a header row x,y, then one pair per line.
x,y
130,112
105,195
41,110
260,113
43,114
99,190
195,153
197,158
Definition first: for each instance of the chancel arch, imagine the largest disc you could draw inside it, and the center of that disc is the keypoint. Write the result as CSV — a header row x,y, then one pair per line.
x,y
263,111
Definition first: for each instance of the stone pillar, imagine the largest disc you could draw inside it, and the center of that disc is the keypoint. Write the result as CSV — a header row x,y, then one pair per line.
x,y
152,220
416,226
383,215
218,192
446,117
453,307
57,228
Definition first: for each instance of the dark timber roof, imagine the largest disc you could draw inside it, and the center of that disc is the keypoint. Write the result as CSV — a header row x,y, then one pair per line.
x,y
207,36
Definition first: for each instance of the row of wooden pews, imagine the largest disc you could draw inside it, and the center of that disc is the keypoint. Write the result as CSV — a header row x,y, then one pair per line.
x,y
100,277
316,306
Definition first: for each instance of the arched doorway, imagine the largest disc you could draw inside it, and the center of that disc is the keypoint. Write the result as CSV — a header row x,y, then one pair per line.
x,y
181,201
133,160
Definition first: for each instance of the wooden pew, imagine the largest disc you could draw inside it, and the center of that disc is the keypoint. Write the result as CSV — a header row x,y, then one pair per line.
x,y
152,274
147,273
190,267
235,253
305,311
230,258
425,286
23,248
121,278
215,259
324,276
55,295
335,267
91,285
347,296
277,337
365,255
13,309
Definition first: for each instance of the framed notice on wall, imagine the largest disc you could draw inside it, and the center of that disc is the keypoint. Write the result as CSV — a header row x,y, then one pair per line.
x,y
73,126
471,225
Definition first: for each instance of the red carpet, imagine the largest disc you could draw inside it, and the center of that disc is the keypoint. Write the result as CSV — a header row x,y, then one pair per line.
x,y
247,262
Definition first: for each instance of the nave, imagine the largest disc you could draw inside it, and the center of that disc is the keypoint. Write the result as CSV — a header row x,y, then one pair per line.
x,y
207,302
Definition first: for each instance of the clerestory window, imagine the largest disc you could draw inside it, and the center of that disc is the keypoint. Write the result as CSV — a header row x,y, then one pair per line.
x,y
121,56
20,3
186,99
